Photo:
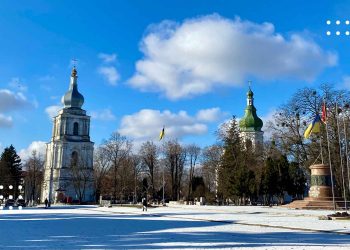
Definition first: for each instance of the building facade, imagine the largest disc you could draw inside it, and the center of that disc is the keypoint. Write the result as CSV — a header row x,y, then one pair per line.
x,y
68,172
250,125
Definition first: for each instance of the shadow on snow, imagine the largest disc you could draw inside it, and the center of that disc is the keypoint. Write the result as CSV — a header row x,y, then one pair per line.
x,y
66,231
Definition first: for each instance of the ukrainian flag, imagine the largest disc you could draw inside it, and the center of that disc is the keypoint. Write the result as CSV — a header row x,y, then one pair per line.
x,y
314,127
161,135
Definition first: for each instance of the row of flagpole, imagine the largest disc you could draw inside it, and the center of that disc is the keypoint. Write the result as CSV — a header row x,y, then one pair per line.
x,y
314,127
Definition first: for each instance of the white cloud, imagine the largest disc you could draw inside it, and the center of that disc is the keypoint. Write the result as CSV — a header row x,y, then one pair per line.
x,y
199,54
147,124
52,111
110,74
10,100
107,58
38,146
6,121
210,115
103,115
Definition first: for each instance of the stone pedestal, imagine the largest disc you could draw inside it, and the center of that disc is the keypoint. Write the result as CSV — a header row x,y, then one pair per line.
x,y
320,193
321,186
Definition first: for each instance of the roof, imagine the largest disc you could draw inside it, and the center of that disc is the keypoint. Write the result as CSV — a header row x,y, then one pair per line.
x,y
72,98
250,122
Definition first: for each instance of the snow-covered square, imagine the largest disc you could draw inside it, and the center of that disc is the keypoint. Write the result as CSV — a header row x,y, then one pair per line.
x,y
178,227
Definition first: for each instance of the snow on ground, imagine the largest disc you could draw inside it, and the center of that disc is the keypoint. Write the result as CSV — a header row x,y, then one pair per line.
x,y
89,227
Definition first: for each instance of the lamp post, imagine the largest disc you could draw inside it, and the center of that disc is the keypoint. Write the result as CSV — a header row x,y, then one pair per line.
x,y
20,192
1,197
11,196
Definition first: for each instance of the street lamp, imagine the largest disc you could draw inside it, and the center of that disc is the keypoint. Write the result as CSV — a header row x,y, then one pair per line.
x,y
1,198
11,196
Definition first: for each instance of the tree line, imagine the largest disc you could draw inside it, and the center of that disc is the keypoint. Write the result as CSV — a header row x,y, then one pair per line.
x,y
229,171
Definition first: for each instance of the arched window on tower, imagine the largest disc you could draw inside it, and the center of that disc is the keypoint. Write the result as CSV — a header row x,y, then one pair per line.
x,y
76,128
74,159
248,144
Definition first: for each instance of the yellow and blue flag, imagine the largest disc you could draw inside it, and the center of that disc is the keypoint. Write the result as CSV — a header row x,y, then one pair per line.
x,y
161,135
314,127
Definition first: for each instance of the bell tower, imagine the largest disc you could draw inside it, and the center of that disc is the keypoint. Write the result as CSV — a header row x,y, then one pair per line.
x,y
250,125
68,172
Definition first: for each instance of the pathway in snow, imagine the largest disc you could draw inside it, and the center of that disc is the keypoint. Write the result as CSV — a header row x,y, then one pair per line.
x,y
89,227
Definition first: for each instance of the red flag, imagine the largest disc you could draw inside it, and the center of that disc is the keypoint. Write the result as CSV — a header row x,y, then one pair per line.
x,y
324,113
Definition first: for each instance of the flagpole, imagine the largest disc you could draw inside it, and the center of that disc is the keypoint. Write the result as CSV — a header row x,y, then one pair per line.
x,y
160,138
321,149
163,186
330,165
346,151
341,156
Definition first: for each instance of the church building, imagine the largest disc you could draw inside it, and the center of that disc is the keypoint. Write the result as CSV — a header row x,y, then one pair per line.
x,y
68,171
250,125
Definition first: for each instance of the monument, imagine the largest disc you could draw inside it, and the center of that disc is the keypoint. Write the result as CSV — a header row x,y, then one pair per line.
x,y
320,193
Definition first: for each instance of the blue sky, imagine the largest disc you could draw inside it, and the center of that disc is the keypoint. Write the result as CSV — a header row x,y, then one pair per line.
x,y
142,64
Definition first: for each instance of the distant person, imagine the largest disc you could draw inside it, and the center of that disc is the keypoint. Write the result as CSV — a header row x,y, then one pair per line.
x,y
46,203
144,203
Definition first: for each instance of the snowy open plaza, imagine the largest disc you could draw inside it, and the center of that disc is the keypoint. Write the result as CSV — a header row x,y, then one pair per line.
x,y
178,227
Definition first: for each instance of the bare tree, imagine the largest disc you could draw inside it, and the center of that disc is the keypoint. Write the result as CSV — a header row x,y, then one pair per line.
x,y
193,152
33,176
149,160
211,158
102,165
135,162
81,176
292,119
118,149
175,158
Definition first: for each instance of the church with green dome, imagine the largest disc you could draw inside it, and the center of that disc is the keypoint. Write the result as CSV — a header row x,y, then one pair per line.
x,y
250,125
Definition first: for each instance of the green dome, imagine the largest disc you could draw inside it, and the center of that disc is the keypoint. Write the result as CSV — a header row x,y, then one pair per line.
x,y
250,121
